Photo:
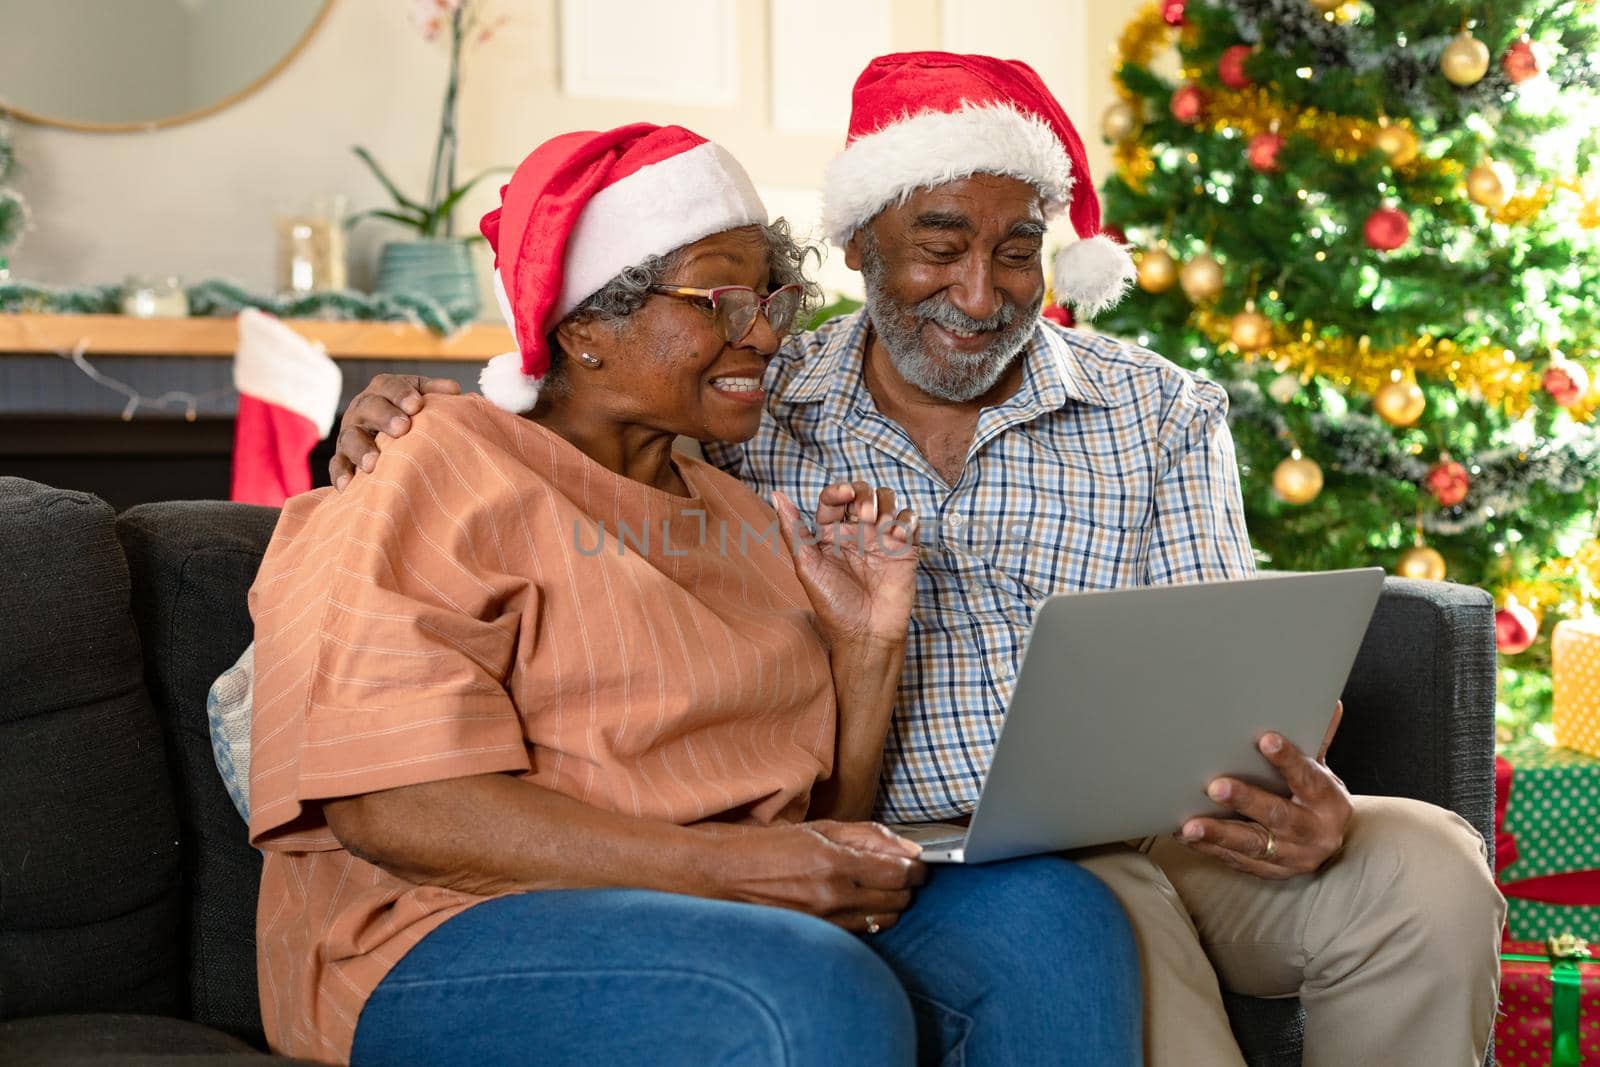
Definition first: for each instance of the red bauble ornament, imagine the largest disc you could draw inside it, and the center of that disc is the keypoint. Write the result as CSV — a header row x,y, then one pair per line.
x,y
1519,62
1387,229
1566,382
1262,152
1448,482
1230,67
1515,629
1061,316
1172,12
1188,105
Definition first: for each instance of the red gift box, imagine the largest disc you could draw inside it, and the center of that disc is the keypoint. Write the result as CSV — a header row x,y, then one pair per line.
x,y
1549,1005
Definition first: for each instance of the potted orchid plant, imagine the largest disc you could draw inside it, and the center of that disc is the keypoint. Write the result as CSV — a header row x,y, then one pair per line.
x,y
435,263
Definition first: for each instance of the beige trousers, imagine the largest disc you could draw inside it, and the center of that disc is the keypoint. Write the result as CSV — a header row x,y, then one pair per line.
x,y
1391,948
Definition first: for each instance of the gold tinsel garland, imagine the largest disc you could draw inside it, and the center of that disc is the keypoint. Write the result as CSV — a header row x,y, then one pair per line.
x,y
1344,139
1524,207
1552,586
1134,162
1144,35
1490,371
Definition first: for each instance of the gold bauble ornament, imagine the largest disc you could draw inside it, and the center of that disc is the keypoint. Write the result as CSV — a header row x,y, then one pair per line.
x,y
1250,330
1465,60
1297,480
1157,270
1398,143
1201,278
1489,185
1420,561
1400,402
1120,121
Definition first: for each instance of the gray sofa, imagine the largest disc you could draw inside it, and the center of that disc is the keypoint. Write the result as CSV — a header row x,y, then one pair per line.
x,y
127,888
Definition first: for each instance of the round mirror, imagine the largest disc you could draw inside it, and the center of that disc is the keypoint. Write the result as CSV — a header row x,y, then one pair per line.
x,y
142,64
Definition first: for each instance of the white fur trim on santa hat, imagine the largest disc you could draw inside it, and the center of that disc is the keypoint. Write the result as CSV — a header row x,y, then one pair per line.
x,y
503,302
275,364
1092,274
501,381
935,147
655,210
505,386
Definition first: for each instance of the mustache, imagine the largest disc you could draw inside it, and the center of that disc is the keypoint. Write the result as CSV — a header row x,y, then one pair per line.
x,y
942,313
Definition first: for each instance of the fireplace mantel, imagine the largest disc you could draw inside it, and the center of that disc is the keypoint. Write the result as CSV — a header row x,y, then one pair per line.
x,y
59,427
120,335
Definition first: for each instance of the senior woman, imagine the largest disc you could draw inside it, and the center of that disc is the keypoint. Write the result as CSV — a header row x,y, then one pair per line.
x,y
559,754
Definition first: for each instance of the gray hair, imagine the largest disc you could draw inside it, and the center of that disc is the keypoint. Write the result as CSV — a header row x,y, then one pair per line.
x,y
627,292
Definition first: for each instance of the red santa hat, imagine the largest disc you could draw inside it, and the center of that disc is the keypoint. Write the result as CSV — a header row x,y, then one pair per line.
x,y
582,208
921,119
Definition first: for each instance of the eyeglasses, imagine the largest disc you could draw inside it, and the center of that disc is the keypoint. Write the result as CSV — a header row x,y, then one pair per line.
x,y
733,307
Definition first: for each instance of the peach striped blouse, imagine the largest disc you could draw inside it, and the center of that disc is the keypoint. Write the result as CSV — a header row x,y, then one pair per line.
x,y
489,599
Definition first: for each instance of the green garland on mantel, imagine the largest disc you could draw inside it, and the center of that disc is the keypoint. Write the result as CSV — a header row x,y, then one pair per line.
x,y
220,299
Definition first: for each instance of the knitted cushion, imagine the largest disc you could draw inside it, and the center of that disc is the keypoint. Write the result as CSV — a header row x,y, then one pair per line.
x,y
89,883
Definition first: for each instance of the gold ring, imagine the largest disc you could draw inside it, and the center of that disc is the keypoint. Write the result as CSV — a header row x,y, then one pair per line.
x,y
872,925
1270,853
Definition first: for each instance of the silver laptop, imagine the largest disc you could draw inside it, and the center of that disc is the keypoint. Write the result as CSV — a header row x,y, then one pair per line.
x,y
1129,702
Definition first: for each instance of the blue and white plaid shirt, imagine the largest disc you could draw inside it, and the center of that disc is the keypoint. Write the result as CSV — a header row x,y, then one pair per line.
x,y
1109,467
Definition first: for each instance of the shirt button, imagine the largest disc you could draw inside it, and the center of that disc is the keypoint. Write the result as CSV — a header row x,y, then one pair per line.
x,y
954,519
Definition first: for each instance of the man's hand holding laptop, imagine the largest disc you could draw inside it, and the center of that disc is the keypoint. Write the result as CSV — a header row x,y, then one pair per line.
x,y
1278,837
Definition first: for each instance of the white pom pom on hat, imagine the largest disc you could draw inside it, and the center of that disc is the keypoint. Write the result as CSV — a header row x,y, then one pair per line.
x,y
1093,274
505,385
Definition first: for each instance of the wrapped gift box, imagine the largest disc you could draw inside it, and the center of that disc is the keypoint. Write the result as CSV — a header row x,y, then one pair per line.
x,y
1549,1005
1575,676
1547,841
1532,920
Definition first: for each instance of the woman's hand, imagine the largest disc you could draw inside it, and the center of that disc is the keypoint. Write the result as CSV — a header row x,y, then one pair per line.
x,y
859,568
858,876
496,833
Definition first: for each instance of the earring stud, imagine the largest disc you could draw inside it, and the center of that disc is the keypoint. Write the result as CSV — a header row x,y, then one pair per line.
x,y
587,360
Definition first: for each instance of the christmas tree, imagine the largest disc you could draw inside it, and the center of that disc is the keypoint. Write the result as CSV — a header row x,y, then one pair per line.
x,y
13,212
1375,225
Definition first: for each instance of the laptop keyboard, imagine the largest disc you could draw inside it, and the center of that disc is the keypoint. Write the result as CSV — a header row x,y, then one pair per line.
x,y
932,835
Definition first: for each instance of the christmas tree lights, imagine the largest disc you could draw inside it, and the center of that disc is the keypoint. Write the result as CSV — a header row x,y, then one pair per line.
x,y
1395,217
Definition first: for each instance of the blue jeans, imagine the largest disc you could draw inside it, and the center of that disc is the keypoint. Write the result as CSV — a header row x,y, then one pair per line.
x,y
1026,962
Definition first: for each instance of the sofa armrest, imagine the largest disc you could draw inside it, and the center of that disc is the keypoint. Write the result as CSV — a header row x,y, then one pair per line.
x,y
1419,704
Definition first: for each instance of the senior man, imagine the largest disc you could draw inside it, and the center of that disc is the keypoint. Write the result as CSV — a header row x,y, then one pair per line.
x,y
1043,460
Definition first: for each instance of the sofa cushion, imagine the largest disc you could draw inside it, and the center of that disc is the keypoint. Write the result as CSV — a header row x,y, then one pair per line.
x,y
1270,1032
90,897
123,1040
228,714
192,563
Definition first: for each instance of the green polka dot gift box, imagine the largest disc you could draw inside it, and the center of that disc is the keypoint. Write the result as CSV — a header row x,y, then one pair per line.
x,y
1547,841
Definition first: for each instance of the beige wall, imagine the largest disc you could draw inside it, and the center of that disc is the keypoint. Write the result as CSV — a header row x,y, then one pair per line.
x,y
199,200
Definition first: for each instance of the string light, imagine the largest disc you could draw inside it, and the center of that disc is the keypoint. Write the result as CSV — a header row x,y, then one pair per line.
x,y
191,401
